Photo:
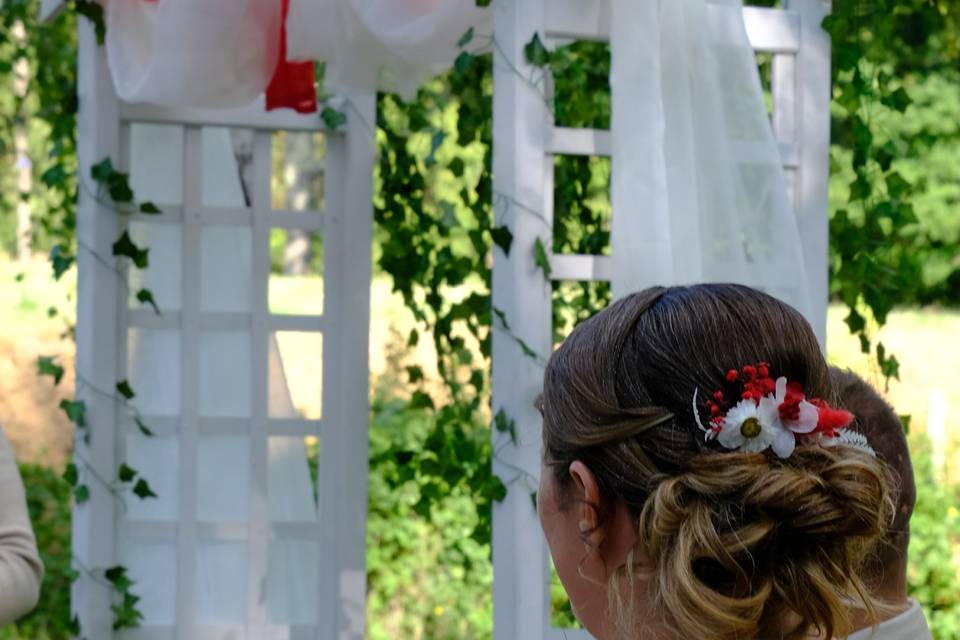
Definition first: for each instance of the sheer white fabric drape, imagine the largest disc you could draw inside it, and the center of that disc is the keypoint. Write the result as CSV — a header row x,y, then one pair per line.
x,y
215,53
222,53
698,186
393,45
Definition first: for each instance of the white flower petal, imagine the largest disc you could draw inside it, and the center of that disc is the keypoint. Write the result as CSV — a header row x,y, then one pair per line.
x,y
784,443
807,421
730,436
781,393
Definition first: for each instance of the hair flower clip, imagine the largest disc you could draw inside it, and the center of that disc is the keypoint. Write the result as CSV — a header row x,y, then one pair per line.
x,y
774,414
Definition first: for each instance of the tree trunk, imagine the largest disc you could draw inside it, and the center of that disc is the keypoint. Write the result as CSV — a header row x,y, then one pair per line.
x,y
21,80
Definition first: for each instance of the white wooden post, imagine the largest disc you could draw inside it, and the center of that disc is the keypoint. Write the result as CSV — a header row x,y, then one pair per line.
x,y
170,535
521,596
813,176
98,297
343,462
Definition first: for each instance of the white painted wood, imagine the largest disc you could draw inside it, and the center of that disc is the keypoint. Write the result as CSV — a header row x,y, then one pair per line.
x,y
189,380
344,441
98,295
252,116
577,142
259,524
769,30
811,186
579,267
521,603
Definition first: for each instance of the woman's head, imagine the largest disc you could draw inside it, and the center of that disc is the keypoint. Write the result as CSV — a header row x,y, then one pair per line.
x,y
640,510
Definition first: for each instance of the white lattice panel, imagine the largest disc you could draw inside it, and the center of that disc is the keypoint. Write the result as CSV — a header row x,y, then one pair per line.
x,y
241,542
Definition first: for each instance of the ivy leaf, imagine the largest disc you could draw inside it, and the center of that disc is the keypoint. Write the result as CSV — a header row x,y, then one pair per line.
x,y
886,155
73,627
496,489
124,389
55,175
533,499
333,118
503,238
118,185
125,613
855,321
860,189
93,11
420,400
413,339
117,576
535,53
47,367
899,100
504,424
142,490
60,261
81,493
889,365
465,38
102,171
76,410
149,208
435,141
897,185
456,167
414,374
144,429
145,296
70,475
126,473
125,247
483,3
905,421
540,258
462,62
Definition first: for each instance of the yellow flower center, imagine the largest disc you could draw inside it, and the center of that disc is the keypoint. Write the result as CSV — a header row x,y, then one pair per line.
x,y
750,428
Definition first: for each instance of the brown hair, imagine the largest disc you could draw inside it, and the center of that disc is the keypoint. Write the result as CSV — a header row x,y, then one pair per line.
x,y
877,420
738,545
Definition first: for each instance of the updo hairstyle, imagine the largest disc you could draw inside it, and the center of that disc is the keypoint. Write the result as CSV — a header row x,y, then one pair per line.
x,y
734,545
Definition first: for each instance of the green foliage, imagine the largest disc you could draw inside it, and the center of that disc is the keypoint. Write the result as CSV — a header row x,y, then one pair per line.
x,y
428,563
48,500
894,236
934,571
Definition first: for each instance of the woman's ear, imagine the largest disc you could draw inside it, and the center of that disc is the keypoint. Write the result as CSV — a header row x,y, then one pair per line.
x,y
587,501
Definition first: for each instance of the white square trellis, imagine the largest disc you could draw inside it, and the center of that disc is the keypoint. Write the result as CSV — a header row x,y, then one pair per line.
x,y
525,142
241,541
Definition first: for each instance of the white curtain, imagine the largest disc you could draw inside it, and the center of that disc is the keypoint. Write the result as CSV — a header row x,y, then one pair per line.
x,y
393,45
215,53
698,186
222,53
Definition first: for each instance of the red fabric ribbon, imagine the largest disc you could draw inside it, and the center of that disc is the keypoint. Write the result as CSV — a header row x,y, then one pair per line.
x,y
293,83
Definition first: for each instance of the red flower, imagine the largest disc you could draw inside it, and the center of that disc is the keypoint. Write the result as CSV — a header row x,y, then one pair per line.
x,y
831,420
732,375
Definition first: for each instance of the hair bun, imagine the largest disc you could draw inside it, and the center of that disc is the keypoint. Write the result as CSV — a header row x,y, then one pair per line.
x,y
738,529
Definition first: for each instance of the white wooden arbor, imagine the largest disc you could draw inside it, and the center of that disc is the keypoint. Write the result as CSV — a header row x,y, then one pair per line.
x,y
526,141
224,534
216,324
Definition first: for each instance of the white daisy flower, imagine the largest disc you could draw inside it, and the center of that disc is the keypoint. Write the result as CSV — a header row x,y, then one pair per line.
x,y
751,428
